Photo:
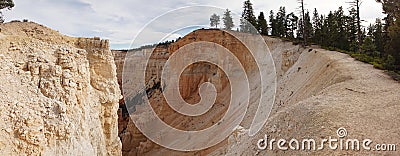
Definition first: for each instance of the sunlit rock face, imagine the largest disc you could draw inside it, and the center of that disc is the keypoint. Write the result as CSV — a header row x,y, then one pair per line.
x,y
59,94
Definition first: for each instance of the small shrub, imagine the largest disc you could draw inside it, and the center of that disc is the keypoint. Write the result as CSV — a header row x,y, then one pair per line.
x,y
378,65
394,74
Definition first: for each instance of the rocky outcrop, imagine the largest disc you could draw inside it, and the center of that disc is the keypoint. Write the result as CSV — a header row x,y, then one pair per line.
x,y
104,80
59,94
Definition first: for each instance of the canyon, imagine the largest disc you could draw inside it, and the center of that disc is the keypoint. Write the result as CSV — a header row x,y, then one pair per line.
x,y
63,95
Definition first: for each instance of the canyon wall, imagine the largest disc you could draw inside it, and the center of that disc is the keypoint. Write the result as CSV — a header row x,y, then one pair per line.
x,y
59,94
135,143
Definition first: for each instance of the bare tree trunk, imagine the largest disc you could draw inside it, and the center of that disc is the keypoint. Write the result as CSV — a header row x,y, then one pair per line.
x,y
358,24
305,35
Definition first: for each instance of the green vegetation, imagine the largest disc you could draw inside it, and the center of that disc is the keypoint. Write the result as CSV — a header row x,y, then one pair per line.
x,y
214,20
248,19
228,21
262,25
5,4
340,30
391,29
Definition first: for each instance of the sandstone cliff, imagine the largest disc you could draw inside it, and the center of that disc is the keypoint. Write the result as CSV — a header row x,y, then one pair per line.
x,y
59,95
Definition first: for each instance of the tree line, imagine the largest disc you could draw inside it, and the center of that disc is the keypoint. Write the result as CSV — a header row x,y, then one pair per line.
x,y
341,30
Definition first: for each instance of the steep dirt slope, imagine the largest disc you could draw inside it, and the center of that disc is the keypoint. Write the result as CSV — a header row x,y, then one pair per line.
x,y
321,92
59,95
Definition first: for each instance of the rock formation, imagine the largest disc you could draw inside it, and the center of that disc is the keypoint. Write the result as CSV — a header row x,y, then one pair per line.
x,y
59,94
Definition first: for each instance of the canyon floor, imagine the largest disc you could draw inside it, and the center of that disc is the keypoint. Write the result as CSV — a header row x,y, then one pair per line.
x,y
62,95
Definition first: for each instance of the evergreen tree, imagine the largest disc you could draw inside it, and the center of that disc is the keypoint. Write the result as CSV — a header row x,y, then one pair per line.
x,y
342,42
324,31
355,15
248,20
308,26
370,28
363,34
281,22
5,4
272,24
292,21
352,30
392,9
300,32
317,25
214,20
369,43
305,28
302,24
332,30
378,35
368,47
1,17
262,25
228,21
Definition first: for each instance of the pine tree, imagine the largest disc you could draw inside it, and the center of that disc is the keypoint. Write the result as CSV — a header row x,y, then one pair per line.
x,y
342,42
356,5
316,26
392,9
378,35
302,24
292,21
305,28
371,29
214,20
248,20
228,21
324,31
368,47
262,25
369,43
352,30
281,22
300,32
363,34
272,24
5,4
332,30
308,26
1,17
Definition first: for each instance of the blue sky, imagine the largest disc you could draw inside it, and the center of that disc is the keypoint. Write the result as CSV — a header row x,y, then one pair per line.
x,y
121,20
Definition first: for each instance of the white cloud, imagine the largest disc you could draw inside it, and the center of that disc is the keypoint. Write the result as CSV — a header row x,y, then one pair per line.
x,y
120,21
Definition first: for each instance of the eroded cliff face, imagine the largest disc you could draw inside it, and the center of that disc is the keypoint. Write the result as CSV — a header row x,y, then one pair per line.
x,y
134,142
59,95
